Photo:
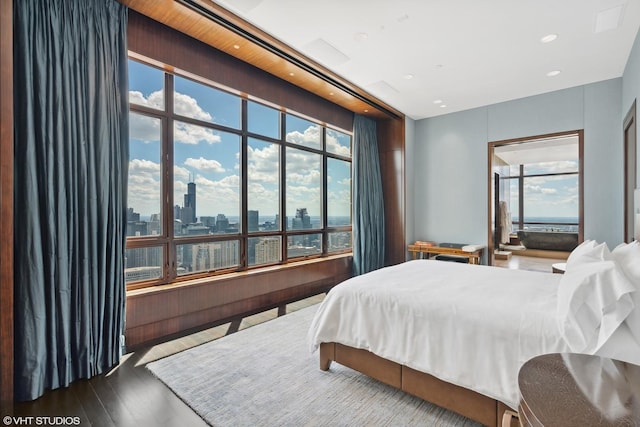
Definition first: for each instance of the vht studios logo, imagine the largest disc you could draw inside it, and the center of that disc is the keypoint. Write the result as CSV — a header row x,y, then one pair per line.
x,y
41,421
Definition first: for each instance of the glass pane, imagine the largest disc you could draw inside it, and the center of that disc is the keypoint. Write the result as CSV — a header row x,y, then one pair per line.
x,y
263,186
338,143
340,241
202,102
551,201
209,256
514,206
263,120
206,176
144,186
551,167
265,250
143,264
146,85
304,194
338,192
305,245
303,132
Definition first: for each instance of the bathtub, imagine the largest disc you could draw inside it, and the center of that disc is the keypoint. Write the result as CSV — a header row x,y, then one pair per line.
x,y
548,240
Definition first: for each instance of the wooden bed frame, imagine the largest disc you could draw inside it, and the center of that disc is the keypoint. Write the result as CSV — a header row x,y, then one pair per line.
x,y
469,403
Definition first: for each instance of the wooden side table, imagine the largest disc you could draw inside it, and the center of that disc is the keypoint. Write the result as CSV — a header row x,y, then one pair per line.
x,y
474,257
567,390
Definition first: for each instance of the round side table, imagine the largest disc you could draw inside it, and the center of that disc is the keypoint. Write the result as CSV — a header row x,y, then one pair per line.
x,y
567,390
559,267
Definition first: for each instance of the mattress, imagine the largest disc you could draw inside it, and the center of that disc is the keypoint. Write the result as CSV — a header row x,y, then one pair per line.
x,y
470,325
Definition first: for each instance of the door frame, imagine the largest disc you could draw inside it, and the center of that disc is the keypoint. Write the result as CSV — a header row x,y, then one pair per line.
x,y
629,131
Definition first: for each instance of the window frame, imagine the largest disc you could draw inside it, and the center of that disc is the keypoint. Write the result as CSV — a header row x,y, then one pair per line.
x,y
168,240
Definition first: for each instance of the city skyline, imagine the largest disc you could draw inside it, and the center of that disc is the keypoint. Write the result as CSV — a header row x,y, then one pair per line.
x,y
211,158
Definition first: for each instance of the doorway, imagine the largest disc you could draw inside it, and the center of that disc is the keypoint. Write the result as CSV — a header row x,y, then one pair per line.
x,y
536,192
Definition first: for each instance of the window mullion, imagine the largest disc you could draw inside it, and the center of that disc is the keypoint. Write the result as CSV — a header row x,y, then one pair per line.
x,y
167,184
324,192
283,189
244,197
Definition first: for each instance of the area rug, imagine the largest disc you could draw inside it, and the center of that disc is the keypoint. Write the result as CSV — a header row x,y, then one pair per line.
x,y
266,376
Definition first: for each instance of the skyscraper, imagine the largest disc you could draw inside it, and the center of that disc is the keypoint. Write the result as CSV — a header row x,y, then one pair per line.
x,y
189,210
252,221
302,219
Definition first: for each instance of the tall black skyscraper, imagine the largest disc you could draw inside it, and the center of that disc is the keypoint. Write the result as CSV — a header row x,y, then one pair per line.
x,y
252,221
189,209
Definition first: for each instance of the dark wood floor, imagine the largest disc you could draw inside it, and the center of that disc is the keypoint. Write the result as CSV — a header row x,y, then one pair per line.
x,y
130,395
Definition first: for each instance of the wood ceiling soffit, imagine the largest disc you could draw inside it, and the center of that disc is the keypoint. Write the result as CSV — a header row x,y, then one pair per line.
x,y
307,75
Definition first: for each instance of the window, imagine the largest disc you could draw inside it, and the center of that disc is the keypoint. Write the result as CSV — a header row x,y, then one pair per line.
x,y
219,183
540,180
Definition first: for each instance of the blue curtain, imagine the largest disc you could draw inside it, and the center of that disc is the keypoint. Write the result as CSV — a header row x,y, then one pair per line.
x,y
368,203
71,159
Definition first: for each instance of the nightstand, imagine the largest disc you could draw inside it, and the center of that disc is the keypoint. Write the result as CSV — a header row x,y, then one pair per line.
x,y
567,389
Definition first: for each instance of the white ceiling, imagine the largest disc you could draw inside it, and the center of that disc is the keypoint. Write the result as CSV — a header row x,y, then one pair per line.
x,y
466,53
539,151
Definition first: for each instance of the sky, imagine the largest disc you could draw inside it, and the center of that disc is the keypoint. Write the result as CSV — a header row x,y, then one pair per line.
x,y
211,158
548,196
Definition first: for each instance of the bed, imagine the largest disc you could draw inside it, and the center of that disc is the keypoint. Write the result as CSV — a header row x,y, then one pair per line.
x,y
456,334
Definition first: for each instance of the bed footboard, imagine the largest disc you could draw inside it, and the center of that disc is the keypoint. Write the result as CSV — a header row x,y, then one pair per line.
x,y
458,399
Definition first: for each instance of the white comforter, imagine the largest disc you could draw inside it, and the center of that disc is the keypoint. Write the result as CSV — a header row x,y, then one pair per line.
x,y
469,325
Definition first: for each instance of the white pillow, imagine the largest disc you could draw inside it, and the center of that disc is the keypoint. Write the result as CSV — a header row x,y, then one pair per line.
x,y
593,300
588,251
628,257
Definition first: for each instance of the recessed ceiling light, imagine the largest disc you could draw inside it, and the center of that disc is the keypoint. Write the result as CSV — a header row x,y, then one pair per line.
x,y
292,74
549,38
361,37
407,76
366,111
443,106
437,101
553,73
236,46
331,93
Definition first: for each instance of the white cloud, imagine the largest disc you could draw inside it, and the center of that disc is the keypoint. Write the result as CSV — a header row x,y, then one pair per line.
x,y
530,189
185,105
333,146
303,168
144,186
181,173
309,178
144,128
207,165
266,200
147,129
155,99
191,134
311,137
263,163
557,166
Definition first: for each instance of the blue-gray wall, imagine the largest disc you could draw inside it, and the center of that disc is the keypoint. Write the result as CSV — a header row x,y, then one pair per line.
x,y
451,160
447,164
